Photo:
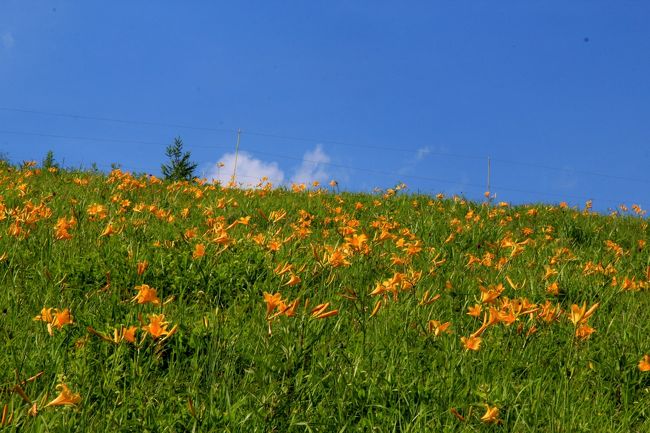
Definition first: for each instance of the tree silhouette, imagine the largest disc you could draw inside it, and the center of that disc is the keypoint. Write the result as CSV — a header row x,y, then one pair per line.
x,y
180,167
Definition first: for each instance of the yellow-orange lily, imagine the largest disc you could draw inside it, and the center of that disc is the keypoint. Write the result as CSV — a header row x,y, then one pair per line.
x,y
65,397
491,415
579,315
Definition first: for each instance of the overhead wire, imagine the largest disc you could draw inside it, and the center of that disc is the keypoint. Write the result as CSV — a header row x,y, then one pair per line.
x,y
262,134
425,149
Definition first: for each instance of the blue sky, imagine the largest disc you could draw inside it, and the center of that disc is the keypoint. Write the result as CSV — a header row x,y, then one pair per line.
x,y
369,93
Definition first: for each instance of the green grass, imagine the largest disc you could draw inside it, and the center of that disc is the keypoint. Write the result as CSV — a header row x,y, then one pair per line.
x,y
223,371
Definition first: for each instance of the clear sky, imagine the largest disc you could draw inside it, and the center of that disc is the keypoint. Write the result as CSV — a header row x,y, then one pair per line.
x,y
370,93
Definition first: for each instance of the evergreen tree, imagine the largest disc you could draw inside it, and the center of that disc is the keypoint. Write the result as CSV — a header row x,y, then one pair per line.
x,y
48,161
180,167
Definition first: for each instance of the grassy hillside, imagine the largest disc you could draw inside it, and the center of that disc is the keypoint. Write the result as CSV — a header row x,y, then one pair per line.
x,y
188,307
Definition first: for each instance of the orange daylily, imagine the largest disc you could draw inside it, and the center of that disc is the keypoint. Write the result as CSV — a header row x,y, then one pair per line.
x,y
108,231
65,397
376,309
553,289
199,251
474,311
438,328
146,294
272,301
319,311
127,334
491,415
580,315
471,343
584,331
157,326
57,319
283,268
61,318
337,258
293,280
45,315
488,295
142,266
289,310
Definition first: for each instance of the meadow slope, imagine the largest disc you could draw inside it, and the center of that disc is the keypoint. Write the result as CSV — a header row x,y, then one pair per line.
x,y
133,304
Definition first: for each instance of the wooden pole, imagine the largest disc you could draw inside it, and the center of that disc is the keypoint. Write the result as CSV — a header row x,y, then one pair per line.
x,y
488,181
234,170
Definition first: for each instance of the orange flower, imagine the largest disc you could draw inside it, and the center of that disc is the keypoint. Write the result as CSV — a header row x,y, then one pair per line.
x,y
338,258
142,266
474,311
553,289
272,301
490,294
157,326
108,231
438,328
549,272
584,331
491,415
66,397
290,310
146,294
644,364
327,314
128,334
580,315
62,226
471,343
199,251
45,315
376,309
293,280
58,319
319,311
61,318
283,268
273,245
357,242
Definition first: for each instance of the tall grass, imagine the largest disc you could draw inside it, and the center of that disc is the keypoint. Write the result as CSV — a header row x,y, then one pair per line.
x,y
228,365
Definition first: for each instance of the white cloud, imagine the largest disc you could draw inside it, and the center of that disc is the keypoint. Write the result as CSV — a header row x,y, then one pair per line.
x,y
7,40
422,152
312,168
250,170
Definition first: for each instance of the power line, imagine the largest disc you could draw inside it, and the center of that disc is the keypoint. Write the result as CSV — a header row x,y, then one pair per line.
x,y
367,170
464,185
572,170
364,146
313,140
395,175
99,139
234,131
114,120
380,172
432,179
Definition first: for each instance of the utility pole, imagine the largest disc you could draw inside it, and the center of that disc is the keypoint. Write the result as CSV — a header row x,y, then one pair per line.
x,y
234,170
488,181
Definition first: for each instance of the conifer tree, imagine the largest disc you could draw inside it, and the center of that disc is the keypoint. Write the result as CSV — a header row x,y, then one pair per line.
x,y
180,167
